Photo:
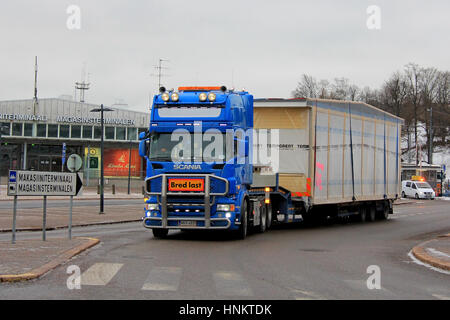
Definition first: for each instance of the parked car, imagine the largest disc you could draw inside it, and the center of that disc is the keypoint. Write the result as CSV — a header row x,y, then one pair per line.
x,y
417,189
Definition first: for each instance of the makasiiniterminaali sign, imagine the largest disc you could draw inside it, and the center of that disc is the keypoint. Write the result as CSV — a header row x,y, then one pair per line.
x,y
43,183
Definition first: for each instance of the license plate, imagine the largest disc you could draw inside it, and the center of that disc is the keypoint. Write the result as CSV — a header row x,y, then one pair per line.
x,y
186,184
187,223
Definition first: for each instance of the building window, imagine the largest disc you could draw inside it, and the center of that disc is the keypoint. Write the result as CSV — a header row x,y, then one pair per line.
x,y
53,131
64,130
109,133
5,128
120,133
87,132
76,132
17,129
28,129
97,132
131,133
41,130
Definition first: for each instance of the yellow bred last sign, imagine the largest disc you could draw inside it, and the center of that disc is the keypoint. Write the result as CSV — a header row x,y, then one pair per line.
x,y
186,184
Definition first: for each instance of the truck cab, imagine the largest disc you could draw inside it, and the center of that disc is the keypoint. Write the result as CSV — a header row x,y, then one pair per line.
x,y
198,167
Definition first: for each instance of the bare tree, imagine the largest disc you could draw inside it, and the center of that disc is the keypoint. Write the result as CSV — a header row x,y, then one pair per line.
x,y
306,88
428,83
413,75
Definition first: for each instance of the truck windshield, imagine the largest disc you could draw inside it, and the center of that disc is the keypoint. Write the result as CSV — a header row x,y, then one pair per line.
x,y
167,147
423,185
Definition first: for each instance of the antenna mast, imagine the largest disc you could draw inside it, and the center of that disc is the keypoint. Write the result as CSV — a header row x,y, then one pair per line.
x,y
159,67
35,98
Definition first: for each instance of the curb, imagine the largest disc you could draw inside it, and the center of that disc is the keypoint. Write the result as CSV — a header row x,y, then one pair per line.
x,y
66,227
38,272
420,253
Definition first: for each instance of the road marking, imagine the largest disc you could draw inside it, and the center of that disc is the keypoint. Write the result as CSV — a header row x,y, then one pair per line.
x,y
163,279
231,284
100,274
306,295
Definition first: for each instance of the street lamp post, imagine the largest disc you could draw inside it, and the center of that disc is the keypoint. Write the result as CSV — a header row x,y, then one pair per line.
x,y
129,168
102,184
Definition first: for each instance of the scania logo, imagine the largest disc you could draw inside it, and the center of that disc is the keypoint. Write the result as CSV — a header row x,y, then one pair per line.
x,y
187,166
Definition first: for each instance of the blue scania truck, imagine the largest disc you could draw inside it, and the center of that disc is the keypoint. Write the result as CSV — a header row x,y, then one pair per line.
x,y
218,159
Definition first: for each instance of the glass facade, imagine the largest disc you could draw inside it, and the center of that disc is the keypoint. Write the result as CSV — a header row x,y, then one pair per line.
x,y
42,130
97,132
28,129
120,133
75,132
131,134
52,131
64,131
17,129
5,127
109,133
87,132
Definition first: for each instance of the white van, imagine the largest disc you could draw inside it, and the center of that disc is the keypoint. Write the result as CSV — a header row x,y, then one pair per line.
x,y
417,189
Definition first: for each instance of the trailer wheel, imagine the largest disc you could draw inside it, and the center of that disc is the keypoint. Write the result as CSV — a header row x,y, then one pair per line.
x,y
160,233
384,215
372,212
362,214
269,216
242,232
263,220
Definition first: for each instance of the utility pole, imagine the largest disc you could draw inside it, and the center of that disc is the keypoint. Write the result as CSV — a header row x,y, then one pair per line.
x,y
35,98
430,145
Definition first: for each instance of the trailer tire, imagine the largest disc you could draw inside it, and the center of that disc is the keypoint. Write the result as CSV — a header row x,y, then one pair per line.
x,y
263,220
362,214
160,233
372,212
384,215
243,228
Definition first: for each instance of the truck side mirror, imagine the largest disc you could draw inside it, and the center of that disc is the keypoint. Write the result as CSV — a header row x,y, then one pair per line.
x,y
143,135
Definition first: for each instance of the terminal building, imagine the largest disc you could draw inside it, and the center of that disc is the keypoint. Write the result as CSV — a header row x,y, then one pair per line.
x,y
35,134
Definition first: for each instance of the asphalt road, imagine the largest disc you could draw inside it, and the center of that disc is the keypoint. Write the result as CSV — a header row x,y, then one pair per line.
x,y
295,262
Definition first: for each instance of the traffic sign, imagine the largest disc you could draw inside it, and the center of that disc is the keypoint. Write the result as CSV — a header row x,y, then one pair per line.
x,y
12,176
43,183
74,163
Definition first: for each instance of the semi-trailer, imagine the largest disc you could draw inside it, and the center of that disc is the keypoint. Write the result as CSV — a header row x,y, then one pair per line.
x,y
219,159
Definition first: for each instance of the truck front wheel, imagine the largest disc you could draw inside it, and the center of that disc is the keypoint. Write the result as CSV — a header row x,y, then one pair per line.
x,y
160,233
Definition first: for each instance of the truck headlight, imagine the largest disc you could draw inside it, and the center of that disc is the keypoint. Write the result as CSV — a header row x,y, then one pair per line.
x,y
165,97
212,97
202,97
225,207
151,206
175,97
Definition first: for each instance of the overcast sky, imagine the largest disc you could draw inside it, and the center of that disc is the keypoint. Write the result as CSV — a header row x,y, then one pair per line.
x,y
262,46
